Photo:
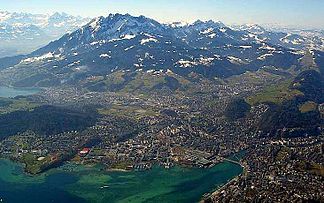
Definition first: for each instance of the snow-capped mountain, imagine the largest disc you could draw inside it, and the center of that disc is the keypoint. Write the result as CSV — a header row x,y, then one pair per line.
x,y
290,38
312,37
117,27
21,33
209,35
124,43
177,24
252,28
60,23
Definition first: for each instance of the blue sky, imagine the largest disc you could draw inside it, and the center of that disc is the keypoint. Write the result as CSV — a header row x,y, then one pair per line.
x,y
296,13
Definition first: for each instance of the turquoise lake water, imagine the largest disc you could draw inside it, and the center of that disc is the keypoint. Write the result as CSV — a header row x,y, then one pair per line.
x,y
73,183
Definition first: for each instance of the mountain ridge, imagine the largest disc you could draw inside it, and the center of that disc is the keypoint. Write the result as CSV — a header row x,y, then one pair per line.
x,y
125,43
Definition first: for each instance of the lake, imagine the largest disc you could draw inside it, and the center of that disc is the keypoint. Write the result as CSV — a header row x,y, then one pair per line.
x,y
75,183
13,92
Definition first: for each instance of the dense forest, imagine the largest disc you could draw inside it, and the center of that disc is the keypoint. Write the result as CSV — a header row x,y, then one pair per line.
x,y
45,120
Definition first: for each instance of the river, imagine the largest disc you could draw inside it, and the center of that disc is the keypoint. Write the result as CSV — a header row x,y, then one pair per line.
x,y
75,183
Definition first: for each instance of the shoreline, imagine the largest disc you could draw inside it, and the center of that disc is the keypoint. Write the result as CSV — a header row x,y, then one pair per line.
x,y
216,191
231,177
19,91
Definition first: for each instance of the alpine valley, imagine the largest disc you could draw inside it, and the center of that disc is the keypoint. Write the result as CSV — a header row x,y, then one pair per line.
x,y
126,93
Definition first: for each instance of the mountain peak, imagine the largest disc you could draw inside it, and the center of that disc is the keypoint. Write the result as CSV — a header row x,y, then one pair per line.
x,y
59,15
4,15
200,25
178,24
253,28
115,25
119,15
209,23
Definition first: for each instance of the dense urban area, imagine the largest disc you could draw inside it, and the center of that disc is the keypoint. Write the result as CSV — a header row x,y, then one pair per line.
x,y
136,132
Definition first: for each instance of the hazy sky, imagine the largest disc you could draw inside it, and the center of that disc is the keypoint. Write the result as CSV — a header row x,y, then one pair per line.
x,y
301,13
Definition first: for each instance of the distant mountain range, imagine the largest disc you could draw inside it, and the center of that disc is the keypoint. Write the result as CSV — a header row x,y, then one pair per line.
x,y
290,38
116,52
22,33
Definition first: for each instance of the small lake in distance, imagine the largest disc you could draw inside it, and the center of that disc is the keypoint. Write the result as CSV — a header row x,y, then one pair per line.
x,y
10,92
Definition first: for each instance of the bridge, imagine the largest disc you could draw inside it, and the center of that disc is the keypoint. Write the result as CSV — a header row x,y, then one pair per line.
x,y
232,161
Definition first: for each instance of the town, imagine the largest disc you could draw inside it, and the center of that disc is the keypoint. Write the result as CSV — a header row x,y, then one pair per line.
x,y
135,132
